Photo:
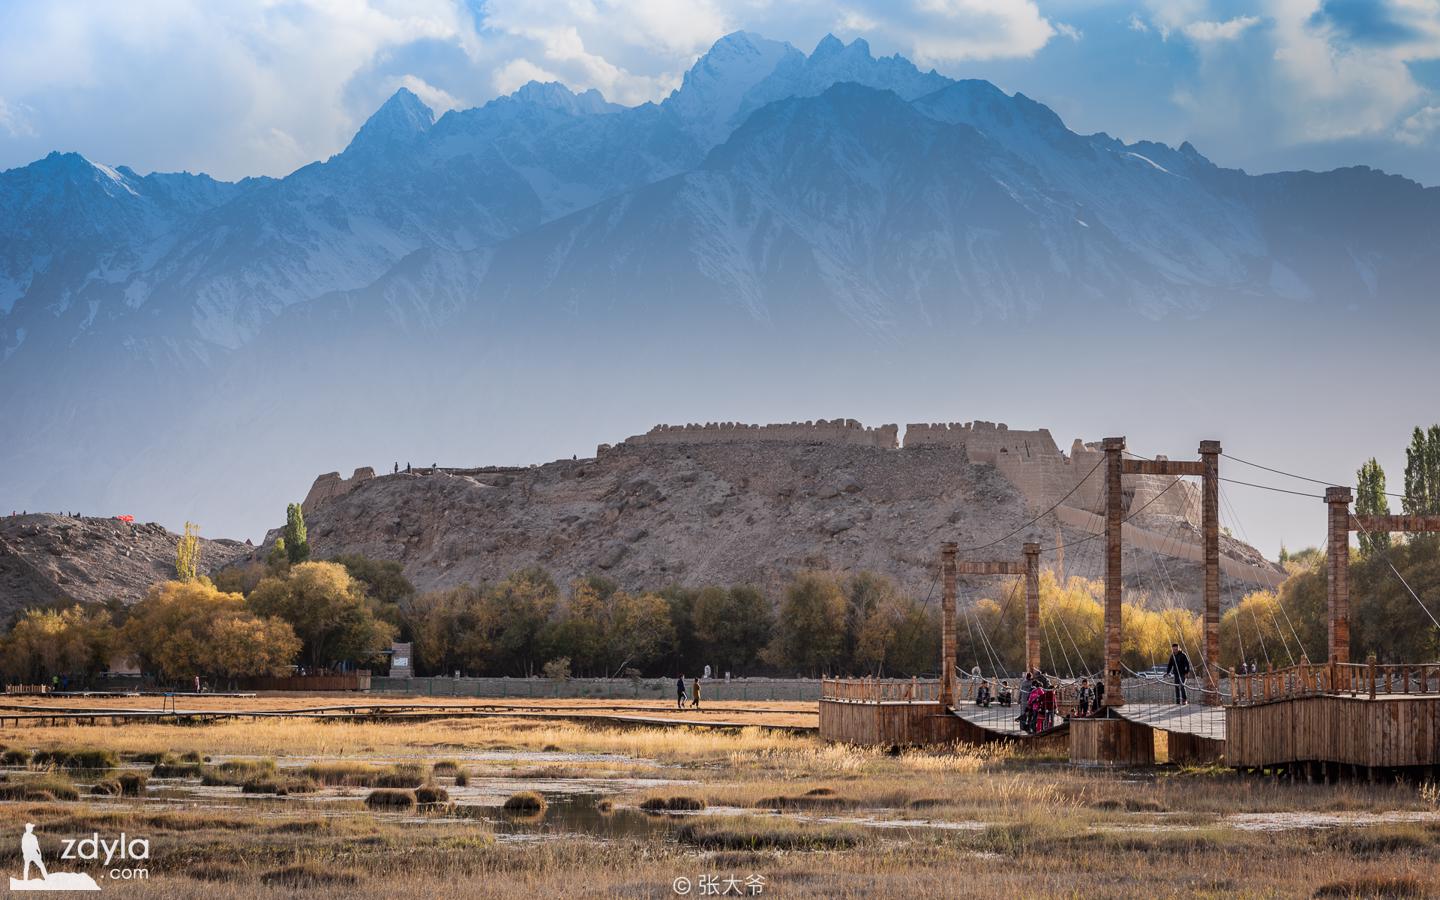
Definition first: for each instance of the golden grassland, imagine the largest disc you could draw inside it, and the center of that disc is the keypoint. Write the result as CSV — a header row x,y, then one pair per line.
x,y
813,819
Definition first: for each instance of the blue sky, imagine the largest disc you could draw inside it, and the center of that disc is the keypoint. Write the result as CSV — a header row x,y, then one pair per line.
x,y
263,87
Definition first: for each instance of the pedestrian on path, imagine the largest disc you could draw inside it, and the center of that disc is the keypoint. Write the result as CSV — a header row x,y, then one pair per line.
x,y
1179,668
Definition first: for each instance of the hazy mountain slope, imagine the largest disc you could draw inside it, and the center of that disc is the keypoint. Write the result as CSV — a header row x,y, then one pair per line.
x,y
550,245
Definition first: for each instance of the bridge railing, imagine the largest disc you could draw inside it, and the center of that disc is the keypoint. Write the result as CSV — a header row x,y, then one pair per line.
x,y
881,690
1350,679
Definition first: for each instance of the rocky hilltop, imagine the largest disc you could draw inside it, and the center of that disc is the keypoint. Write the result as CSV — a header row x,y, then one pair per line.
x,y
728,503
54,560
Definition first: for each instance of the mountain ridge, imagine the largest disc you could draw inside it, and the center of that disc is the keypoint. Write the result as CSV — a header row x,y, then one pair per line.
x,y
778,203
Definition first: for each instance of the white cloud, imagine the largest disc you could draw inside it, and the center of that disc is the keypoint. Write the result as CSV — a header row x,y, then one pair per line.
x,y
1069,31
518,72
14,120
1418,127
231,88
1228,30
438,99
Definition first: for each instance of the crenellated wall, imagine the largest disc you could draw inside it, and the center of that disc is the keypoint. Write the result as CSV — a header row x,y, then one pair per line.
x,y
985,442
820,431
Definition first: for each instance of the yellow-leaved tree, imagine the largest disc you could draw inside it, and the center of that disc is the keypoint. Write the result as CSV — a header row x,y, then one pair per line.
x,y
187,628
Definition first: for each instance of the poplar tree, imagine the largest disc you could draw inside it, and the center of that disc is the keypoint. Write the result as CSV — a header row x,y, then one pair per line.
x,y
1370,501
187,553
297,548
1422,472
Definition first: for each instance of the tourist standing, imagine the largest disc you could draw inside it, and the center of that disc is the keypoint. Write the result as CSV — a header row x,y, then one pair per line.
x,y
695,699
1179,668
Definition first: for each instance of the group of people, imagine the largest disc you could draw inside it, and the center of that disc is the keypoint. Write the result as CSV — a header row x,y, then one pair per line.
x,y
694,697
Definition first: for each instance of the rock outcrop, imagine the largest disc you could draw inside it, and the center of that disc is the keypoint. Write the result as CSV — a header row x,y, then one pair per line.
x,y
53,560
743,504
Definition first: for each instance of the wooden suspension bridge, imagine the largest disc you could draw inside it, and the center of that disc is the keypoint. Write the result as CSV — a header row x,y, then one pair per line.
x,y
1316,720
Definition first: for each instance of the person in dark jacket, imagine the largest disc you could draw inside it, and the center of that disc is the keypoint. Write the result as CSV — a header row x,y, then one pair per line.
x,y
1178,668
680,691
1099,694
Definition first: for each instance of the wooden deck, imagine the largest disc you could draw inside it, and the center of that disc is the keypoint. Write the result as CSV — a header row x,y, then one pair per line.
x,y
1198,721
1002,720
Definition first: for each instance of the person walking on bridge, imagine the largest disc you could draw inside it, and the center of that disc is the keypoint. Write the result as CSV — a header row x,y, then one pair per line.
x,y
1179,669
680,691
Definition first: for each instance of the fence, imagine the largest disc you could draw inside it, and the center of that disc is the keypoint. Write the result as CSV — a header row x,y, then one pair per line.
x,y
1353,679
797,689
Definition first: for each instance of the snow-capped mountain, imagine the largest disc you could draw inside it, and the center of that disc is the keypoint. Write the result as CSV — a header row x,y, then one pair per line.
x,y
775,198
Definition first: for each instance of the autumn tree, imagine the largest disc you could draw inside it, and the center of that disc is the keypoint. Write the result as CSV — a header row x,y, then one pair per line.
x,y
454,629
187,628
187,553
45,643
334,619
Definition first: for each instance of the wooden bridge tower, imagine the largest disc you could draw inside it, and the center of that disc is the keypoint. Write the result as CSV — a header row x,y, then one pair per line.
x,y
1028,566
1208,468
1337,561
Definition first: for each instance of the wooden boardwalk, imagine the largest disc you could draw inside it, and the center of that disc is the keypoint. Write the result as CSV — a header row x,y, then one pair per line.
x,y
1002,720
1194,719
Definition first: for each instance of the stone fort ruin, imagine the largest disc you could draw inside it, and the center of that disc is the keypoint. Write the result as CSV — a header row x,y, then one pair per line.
x,y
1030,459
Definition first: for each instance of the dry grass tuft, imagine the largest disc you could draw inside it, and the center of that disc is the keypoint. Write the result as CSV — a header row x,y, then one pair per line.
x,y
391,798
526,802
354,774
672,804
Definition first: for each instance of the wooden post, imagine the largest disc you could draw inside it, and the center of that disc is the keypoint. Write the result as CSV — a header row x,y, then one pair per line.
x,y
1370,662
1032,606
1337,565
1114,448
1210,528
947,642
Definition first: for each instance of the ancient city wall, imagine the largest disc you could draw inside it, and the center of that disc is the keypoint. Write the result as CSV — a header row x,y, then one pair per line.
x,y
330,485
820,431
1030,459
985,442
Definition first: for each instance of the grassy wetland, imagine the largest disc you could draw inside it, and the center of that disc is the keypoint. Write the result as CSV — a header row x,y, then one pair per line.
x,y
511,807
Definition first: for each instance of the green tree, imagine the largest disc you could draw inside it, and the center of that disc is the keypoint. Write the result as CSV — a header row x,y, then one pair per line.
x,y
1370,501
731,627
810,633
1422,472
297,545
187,628
524,601
603,629
334,619
187,553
